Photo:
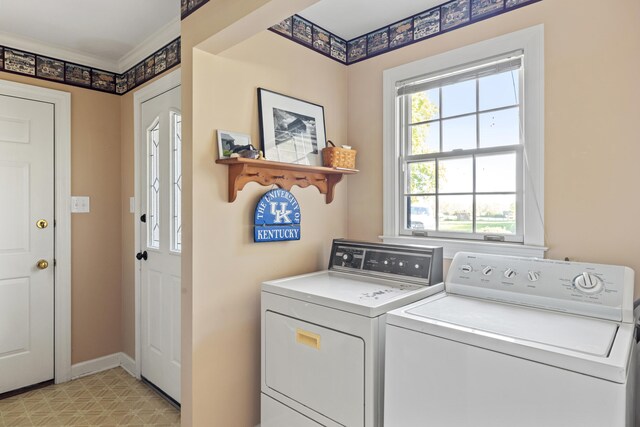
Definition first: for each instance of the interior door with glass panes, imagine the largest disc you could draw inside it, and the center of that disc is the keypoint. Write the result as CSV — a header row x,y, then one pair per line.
x,y
160,239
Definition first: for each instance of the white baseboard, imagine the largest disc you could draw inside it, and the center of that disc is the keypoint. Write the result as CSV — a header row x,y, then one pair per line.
x,y
128,364
96,365
102,364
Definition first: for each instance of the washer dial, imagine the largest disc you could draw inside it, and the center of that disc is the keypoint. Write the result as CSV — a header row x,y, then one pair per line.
x,y
533,276
588,283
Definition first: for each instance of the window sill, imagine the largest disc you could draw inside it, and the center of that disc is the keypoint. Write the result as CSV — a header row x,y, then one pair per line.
x,y
451,247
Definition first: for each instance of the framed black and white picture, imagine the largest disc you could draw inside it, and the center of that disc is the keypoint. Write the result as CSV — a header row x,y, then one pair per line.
x,y
292,130
228,141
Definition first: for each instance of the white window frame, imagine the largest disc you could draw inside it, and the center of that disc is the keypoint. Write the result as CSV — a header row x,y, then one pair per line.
x,y
531,41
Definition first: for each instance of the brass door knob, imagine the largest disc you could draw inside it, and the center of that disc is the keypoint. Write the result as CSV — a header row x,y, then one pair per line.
x,y
42,223
42,264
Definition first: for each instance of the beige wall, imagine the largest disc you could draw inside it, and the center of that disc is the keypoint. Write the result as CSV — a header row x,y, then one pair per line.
x,y
229,20
227,266
591,132
127,243
95,250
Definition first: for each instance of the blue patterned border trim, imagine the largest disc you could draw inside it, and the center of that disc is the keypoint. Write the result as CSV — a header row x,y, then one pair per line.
x,y
187,7
422,26
57,70
157,63
313,36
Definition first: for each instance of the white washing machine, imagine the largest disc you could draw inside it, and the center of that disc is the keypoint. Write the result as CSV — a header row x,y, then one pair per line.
x,y
515,342
323,333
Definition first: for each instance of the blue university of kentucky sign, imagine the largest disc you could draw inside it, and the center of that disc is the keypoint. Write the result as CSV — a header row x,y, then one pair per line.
x,y
277,217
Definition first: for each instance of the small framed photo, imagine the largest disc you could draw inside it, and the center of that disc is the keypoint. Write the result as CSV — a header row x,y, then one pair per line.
x,y
228,141
292,130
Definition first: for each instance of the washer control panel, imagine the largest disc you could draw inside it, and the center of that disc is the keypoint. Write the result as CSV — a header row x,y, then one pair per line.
x,y
406,263
590,289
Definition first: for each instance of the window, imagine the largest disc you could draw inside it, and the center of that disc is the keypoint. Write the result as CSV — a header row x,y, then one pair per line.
x,y
463,148
176,180
153,170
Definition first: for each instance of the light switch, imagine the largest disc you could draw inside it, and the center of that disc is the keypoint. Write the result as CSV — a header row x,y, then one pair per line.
x,y
80,204
132,205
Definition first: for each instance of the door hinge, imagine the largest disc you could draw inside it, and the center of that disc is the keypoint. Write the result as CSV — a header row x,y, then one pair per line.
x,y
143,218
55,262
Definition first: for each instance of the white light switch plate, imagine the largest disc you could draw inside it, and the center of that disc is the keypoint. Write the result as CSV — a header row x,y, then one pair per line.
x,y
80,204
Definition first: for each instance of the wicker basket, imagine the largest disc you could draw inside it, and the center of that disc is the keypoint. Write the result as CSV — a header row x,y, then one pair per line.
x,y
338,157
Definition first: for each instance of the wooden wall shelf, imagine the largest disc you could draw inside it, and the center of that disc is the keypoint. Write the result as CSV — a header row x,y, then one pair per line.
x,y
284,175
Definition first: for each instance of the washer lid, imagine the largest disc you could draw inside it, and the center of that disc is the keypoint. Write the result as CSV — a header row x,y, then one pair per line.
x,y
366,296
576,333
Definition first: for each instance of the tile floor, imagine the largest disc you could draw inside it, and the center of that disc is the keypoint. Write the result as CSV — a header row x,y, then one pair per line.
x,y
109,398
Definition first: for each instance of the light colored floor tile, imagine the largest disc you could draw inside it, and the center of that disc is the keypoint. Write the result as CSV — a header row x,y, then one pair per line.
x,y
109,398
17,421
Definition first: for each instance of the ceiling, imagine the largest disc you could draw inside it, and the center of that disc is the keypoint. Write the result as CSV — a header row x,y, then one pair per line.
x,y
352,18
103,31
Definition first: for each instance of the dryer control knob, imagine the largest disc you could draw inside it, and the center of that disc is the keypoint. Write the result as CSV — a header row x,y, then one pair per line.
x,y
347,256
487,270
533,276
466,269
588,283
509,273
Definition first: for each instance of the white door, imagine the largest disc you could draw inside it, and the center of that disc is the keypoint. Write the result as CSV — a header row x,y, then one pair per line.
x,y
160,238
26,242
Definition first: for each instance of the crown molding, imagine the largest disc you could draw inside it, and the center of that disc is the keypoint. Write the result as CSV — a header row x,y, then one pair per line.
x,y
49,50
151,44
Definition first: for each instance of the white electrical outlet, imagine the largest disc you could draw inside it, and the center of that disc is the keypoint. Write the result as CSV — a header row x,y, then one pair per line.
x,y
80,204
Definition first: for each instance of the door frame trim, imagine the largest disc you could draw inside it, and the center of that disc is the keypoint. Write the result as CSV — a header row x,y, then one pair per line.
x,y
158,87
62,232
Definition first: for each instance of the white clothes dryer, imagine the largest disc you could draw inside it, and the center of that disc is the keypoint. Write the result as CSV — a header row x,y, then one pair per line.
x,y
323,333
515,342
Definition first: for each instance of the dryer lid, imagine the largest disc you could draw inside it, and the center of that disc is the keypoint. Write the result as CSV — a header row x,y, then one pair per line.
x,y
576,333
367,296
